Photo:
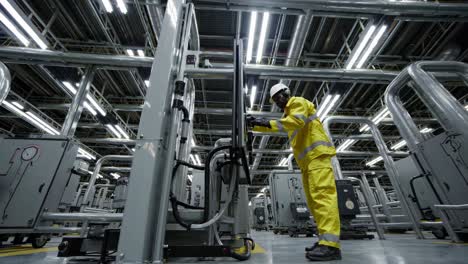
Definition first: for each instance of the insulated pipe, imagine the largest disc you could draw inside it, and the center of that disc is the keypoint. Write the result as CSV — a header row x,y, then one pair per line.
x,y
97,168
450,113
382,7
372,213
5,81
90,217
388,161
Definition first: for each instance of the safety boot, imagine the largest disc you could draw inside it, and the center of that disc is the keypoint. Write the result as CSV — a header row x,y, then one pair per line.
x,y
307,249
324,253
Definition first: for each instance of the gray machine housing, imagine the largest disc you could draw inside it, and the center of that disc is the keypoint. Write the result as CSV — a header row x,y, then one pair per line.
x,y
259,213
33,176
442,162
289,206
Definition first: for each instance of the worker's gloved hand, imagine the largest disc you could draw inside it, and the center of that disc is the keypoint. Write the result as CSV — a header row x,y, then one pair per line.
x,y
253,121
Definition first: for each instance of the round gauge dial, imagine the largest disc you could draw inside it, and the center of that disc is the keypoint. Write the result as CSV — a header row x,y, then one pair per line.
x,y
29,153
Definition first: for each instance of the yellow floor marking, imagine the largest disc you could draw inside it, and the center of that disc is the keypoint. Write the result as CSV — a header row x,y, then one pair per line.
x,y
451,243
258,250
24,251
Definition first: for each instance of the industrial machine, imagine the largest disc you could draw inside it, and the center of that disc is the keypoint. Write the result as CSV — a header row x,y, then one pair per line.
x,y
34,176
215,222
437,171
259,212
290,212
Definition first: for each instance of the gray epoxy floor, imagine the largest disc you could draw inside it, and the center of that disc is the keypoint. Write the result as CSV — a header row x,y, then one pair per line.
x,y
397,249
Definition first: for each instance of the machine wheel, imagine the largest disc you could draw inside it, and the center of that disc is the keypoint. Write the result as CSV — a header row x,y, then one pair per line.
x,y
39,240
18,240
275,232
440,233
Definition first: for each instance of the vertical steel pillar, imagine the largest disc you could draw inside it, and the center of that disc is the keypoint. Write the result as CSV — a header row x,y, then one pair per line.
x,y
383,198
74,113
144,222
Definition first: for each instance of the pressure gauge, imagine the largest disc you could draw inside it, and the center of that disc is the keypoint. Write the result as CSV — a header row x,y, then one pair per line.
x,y
29,153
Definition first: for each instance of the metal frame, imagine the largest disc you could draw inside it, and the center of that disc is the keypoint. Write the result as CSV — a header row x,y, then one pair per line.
x,y
384,152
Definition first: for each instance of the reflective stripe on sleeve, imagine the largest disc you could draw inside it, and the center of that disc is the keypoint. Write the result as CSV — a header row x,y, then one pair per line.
x,y
280,126
307,121
313,146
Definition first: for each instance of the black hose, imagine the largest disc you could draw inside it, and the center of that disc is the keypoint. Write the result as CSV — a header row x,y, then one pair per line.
x,y
243,257
207,179
174,202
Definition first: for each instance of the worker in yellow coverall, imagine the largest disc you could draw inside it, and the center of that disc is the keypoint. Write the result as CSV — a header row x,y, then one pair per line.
x,y
313,152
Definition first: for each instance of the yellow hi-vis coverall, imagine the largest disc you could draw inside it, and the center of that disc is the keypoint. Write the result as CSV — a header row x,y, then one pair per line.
x,y
313,151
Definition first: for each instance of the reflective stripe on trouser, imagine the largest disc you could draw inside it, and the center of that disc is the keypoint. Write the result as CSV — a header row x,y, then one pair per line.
x,y
321,196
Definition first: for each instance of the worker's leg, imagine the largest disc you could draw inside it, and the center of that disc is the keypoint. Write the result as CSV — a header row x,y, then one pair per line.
x,y
322,189
308,196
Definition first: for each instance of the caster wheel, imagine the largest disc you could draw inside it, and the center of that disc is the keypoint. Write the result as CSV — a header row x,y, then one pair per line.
x,y
39,241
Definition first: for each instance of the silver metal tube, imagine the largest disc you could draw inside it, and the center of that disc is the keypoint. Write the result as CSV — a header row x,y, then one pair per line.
x,y
97,168
366,195
444,106
5,81
383,7
94,218
49,229
388,161
72,59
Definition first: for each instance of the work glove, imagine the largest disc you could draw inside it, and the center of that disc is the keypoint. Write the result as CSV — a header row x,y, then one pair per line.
x,y
253,121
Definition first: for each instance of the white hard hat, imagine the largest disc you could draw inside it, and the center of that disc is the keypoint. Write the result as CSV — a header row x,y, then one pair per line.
x,y
277,88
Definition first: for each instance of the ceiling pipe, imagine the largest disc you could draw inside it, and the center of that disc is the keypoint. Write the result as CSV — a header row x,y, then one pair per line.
x,y
381,7
5,81
298,39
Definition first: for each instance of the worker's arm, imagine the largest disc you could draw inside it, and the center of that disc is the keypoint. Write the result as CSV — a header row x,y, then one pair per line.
x,y
295,120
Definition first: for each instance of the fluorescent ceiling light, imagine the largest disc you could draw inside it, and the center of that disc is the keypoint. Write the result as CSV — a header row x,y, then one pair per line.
x,y
32,119
253,23
122,132
147,82
250,203
107,5
18,105
426,130
72,89
466,107
197,158
23,24
190,177
371,47
323,105
283,162
122,6
130,53
192,158
360,47
263,35
115,175
86,153
383,113
346,145
329,106
193,142
14,30
402,142
96,105
399,145
113,130
374,161
141,53
253,93
41,123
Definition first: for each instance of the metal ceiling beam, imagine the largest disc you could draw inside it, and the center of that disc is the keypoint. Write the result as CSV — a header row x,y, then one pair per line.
x,y
382,7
